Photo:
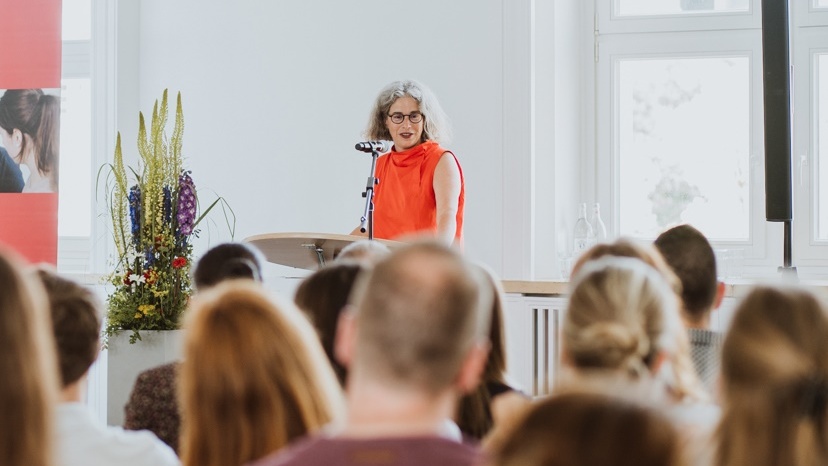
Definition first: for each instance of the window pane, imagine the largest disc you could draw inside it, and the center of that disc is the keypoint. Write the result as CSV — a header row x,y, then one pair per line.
x,y
678,7
684,137
821,3
822,145
77,19
75,204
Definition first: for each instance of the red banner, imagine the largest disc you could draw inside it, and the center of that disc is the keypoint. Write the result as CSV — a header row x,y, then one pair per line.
x,y
30,59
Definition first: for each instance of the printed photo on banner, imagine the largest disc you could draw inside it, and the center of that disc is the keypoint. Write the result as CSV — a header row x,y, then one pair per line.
x,y
29,140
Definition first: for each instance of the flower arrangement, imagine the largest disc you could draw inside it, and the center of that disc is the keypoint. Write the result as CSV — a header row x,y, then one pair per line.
x,y
154,218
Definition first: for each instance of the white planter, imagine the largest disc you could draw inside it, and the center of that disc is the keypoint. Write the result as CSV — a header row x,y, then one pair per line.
x,y
125,361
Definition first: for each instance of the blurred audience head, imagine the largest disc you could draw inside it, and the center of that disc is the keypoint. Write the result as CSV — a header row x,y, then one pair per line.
x,y
620,317
682,377
690,256
624,247
364,251
254,377
29,386
580,429
774,377
474,416
421,315
322,296
225,262
76,324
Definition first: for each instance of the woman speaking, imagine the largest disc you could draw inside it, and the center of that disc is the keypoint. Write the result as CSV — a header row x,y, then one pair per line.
x,y
421,188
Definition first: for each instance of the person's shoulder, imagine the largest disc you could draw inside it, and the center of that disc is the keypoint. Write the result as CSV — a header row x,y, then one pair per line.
x,y
140,447
83,440
402,451
308,450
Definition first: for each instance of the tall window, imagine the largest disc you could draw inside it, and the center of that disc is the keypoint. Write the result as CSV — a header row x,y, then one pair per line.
x,y
679,127
76,183
811,130
679,124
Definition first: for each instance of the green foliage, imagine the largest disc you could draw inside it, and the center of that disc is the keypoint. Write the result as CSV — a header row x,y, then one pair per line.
x,y
154,215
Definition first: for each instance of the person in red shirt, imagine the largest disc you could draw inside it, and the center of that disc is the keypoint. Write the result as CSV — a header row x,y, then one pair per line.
x,y
421,187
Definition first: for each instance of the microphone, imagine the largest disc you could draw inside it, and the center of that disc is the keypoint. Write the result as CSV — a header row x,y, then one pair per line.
x,y
374,146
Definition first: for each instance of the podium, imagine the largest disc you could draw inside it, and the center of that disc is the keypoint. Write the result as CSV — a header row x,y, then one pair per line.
x,y
308,251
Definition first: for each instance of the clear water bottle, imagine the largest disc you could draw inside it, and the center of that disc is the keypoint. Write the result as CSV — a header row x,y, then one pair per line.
x,y
583,236
598,224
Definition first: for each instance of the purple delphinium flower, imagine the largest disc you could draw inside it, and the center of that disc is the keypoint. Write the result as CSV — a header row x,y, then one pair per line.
x,y
167,205
134,199
186,208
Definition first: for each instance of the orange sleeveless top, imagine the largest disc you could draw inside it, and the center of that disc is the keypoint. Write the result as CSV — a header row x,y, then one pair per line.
x,y
404,201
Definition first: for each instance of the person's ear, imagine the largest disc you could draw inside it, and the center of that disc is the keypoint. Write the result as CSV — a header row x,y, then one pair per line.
x,y
345,339
720,292
472,368
17,138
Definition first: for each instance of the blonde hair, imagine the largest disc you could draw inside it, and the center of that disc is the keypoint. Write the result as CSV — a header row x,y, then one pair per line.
x,y
775,381
435,122
28,388
254,377
619,316
684,381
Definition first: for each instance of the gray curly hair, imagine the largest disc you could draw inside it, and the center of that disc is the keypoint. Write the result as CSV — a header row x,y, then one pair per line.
x,y
435,122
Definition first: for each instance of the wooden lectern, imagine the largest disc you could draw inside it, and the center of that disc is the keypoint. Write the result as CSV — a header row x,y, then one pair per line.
x,y
308,251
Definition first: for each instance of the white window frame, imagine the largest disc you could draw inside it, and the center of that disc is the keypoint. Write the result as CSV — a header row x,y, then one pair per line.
x,y
692,35
610,23
95,59
806,14
809,251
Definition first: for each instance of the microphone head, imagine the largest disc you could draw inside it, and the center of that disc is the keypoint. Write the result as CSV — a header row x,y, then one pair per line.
x,y
374,146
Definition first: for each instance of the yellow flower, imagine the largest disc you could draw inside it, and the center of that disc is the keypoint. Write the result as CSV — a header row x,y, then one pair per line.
x,y
146,308
138,315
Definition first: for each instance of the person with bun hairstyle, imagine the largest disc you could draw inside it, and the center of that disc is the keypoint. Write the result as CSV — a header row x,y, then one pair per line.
x,y
618,318
623,324
774,381
682,378
30,131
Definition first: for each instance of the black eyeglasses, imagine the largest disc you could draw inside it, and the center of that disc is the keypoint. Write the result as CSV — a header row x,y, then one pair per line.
x,y
413,117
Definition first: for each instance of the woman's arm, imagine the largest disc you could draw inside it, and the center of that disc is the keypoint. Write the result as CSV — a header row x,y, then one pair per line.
x,y
447,185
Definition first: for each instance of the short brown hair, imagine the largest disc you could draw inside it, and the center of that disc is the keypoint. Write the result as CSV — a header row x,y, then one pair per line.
x,y
418,313
581,429
691,257
227,261
76,324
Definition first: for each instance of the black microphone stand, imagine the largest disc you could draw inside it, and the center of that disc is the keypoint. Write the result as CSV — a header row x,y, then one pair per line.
x,y
368,194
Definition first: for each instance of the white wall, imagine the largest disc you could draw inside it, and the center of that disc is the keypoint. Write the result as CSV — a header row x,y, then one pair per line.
x,y
277,93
